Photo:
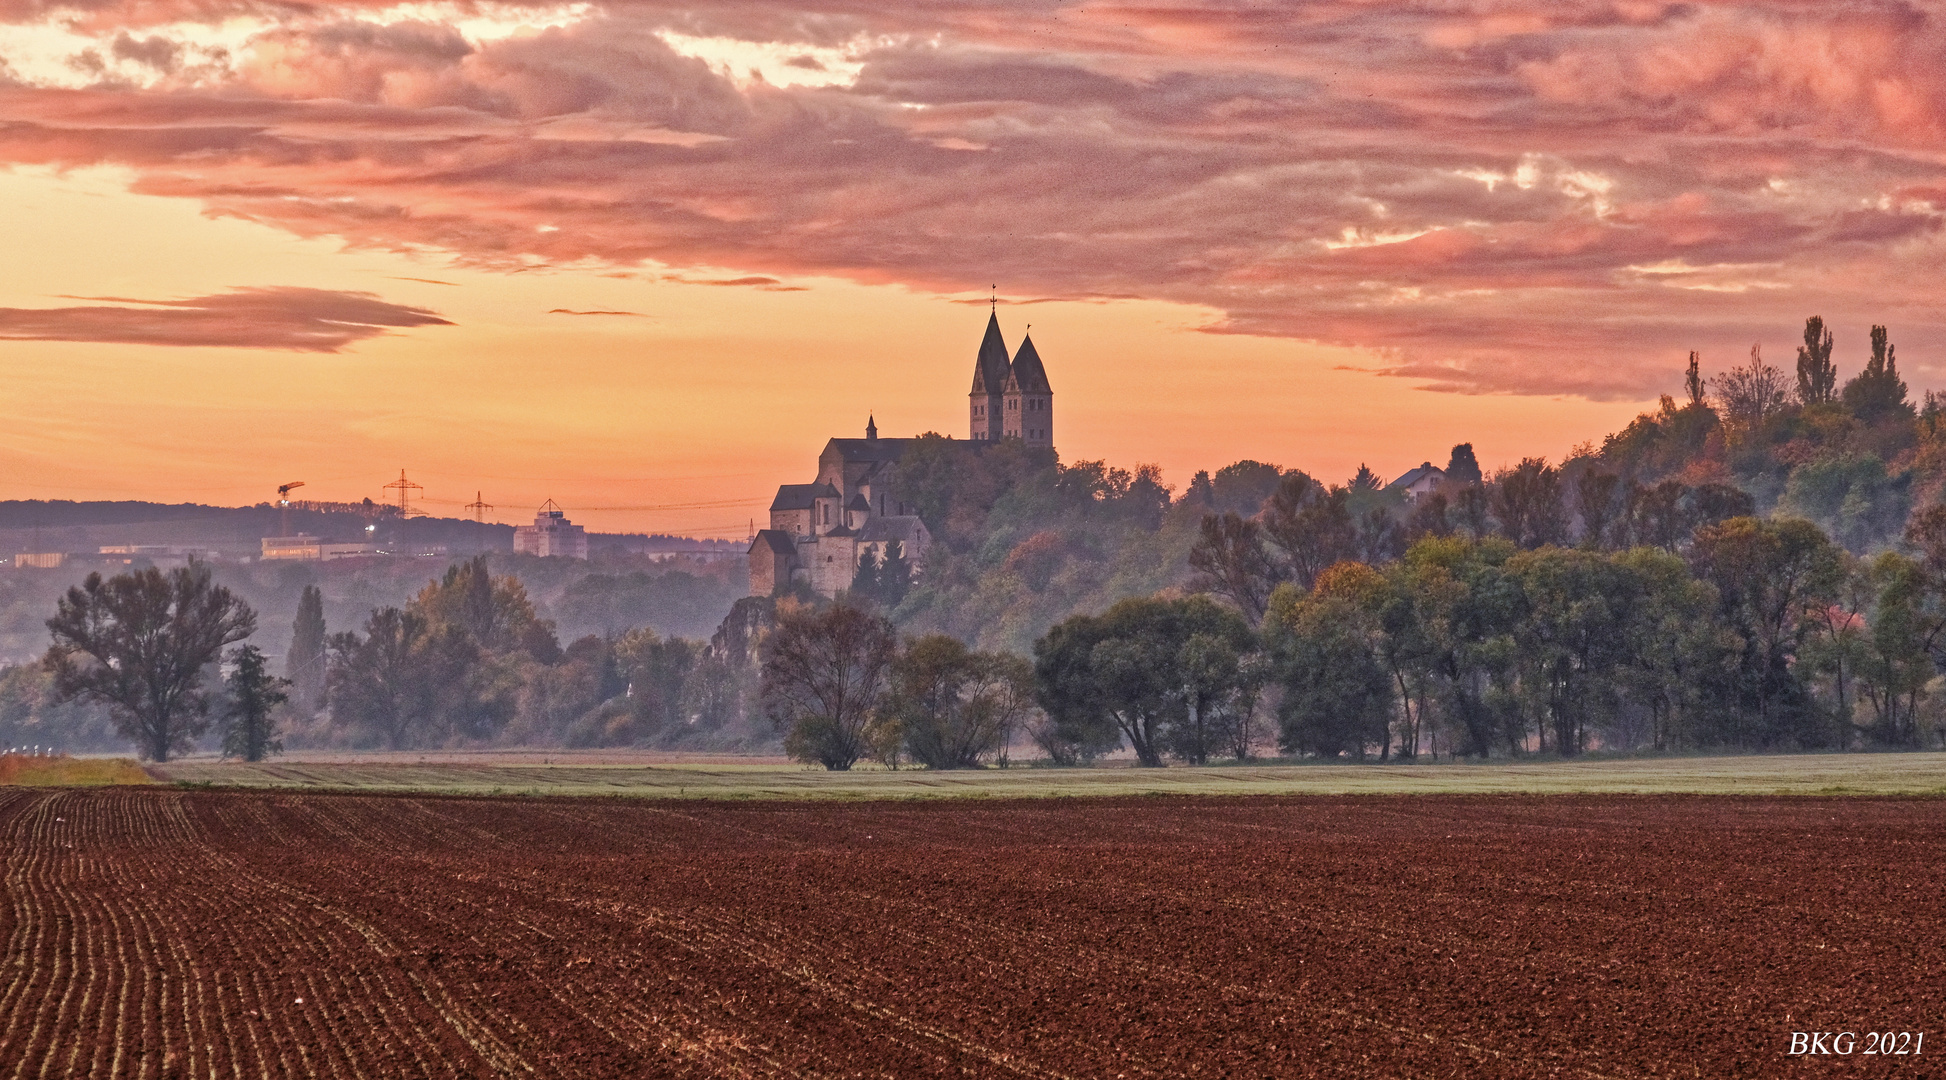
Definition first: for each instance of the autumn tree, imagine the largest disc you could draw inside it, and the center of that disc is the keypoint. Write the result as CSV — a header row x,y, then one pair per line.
x,y
249,708
139,643
825,673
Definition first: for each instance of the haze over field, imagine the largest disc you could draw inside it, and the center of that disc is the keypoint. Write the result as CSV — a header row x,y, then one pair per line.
x,y
644,257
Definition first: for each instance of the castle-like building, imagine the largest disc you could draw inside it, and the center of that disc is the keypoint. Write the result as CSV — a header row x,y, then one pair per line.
x,y
819,531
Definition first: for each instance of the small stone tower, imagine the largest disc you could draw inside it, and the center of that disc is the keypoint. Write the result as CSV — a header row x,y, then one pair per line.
x,y
986,409
1028,407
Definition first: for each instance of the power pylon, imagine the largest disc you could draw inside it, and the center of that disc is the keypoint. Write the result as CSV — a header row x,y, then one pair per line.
x,y
405,488
479,506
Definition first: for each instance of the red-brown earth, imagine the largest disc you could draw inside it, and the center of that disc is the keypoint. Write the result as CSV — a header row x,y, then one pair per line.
x,y
179,933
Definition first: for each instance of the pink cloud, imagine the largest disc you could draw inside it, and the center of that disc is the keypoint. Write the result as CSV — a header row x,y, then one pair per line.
x,y
1494,195
272,317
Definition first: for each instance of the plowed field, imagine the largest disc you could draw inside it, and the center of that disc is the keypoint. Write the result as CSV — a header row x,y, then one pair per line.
x,y
173,933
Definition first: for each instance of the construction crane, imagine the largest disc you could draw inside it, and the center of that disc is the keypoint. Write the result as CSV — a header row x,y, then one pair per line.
x,y
284,506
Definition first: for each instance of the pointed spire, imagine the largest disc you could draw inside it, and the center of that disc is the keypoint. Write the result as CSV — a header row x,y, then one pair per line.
x,y
990,369
1029,376
871,427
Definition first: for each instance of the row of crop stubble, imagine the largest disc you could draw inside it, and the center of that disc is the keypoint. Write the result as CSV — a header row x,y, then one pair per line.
x,y
206,933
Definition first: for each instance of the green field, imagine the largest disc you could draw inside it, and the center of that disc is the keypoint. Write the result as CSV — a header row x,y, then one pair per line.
x,y
1805,774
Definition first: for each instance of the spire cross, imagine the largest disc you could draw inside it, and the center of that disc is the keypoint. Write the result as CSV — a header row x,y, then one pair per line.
x,y
993,302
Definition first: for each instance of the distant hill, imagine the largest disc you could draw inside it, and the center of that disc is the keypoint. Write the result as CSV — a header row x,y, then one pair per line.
x,y
68,526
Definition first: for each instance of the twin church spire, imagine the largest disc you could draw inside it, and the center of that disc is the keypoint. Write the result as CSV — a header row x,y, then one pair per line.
x,y
1011,399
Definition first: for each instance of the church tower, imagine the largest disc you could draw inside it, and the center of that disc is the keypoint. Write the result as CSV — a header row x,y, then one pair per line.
x,y
1028,405
986,409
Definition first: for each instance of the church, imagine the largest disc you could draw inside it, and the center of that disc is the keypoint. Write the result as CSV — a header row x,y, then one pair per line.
x,y
819,531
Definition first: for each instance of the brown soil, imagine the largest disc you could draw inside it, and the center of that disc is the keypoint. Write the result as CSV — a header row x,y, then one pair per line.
x,y
166,933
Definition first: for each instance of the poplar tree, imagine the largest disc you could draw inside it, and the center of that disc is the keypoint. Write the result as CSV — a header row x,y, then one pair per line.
x,y
304,664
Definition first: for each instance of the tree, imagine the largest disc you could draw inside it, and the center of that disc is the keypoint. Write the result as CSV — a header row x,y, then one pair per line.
x,y
1595,494
865,582
658,671
1311,526
304,664
1473,510
894,576
1365,479
1128,671
1750,394
1231,562
249,727
407,680
1428,518
1692,384
139,643
1529,504
1769,577
957,708
1877,393
1463,468
1817,376
825,674
1337,695
1906,628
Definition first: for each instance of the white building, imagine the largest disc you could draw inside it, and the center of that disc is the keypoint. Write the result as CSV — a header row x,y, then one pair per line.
x,y
551,534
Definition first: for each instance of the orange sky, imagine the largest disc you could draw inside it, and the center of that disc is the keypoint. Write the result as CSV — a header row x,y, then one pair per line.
x,y
711,395
643,258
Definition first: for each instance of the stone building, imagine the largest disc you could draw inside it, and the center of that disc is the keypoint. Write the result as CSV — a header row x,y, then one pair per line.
x,y
551,534
819,531
1011,399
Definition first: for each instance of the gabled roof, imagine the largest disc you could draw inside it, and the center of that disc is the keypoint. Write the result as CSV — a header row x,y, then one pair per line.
x,y
802,496
991,367
1029,377
858,503
776,541
1423,472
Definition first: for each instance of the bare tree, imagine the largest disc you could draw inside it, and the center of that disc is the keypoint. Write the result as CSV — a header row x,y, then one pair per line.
x,y
1750,394
139,643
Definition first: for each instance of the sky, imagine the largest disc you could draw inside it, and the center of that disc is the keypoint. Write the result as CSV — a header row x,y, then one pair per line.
x,y
644,258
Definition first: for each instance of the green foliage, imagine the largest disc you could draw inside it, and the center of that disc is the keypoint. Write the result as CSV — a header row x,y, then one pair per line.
x,y
410,681
139,643
249,709
1851,497
1817,376
1462,468
1877,394
954,708
1142,671
825,674
304,661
